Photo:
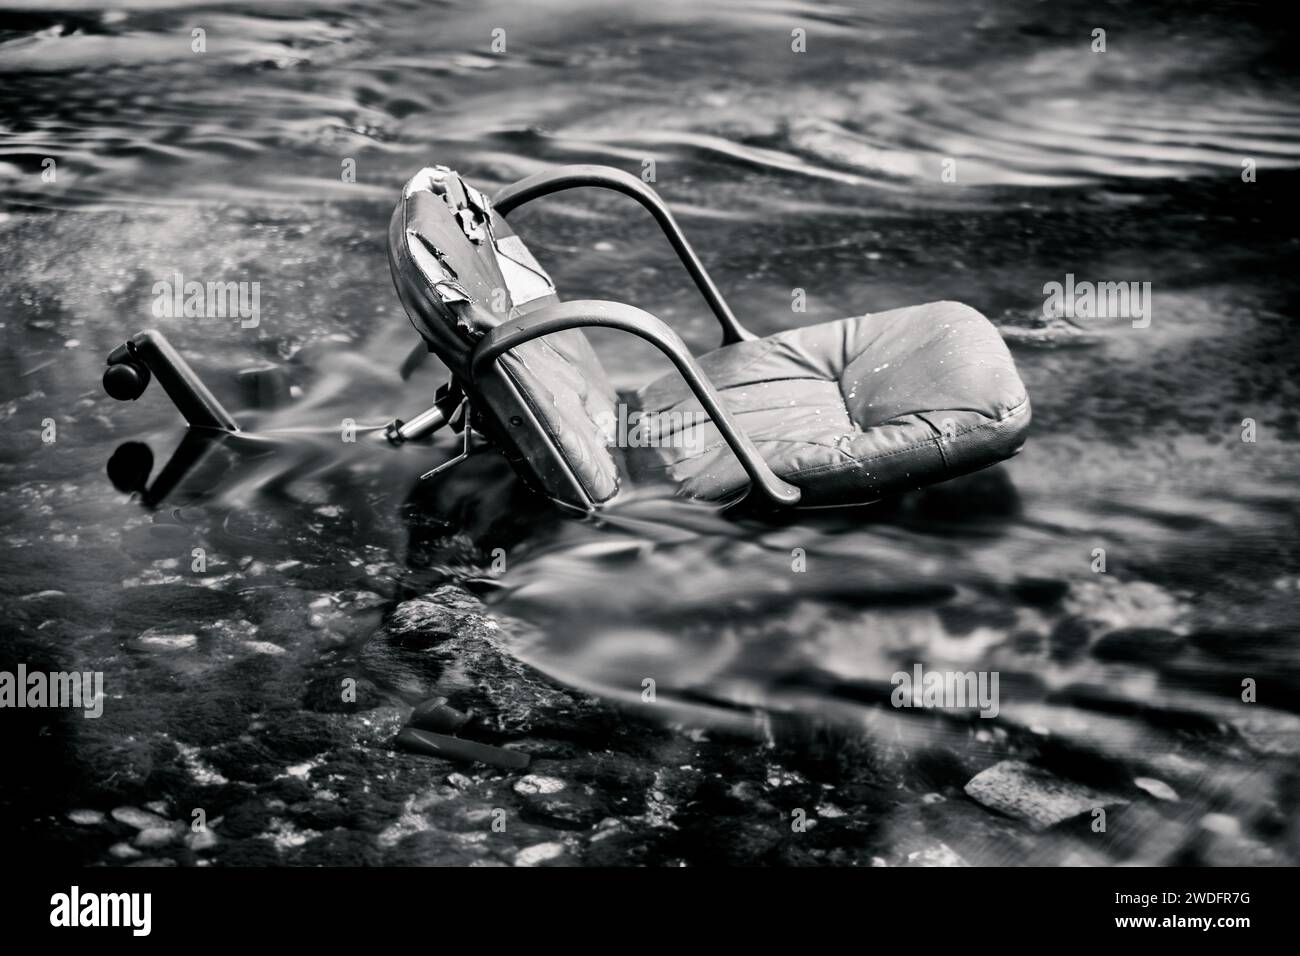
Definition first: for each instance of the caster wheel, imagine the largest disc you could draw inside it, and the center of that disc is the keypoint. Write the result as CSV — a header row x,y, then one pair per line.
x,y
130,466
126,381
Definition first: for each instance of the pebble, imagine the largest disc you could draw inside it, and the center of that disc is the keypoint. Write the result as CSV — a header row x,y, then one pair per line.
x,y
264,647
1221,824
539,853
204,839
124,851
140,819
536,783
171,642
153,838
86,818
1157,788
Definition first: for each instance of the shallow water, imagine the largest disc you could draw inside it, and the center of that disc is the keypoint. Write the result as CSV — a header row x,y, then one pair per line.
x,y
819,171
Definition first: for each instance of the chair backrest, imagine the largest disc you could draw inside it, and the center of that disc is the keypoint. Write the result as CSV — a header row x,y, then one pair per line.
x,y
459,271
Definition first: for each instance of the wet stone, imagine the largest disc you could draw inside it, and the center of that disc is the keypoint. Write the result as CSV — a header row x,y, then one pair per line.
x,y
140,819
444,645
1033,795
124,851
535,784
155,838
541,854
1156,788
201,840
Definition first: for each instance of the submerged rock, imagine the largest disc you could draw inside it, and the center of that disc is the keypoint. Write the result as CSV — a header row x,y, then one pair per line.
x,y
204,839
535,784
444,645
1034,795
124,851
154,838
140,819
1157,788
539,854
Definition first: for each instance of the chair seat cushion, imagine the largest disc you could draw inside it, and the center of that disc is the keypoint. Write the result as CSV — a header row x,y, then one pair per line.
x,y
849,411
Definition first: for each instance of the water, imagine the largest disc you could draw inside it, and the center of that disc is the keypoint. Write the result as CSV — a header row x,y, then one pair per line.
x,y
818,171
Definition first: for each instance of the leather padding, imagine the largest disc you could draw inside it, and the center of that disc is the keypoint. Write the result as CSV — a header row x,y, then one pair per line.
x,y
853,410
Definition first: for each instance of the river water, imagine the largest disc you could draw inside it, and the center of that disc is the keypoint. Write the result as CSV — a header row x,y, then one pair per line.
x,y
225,617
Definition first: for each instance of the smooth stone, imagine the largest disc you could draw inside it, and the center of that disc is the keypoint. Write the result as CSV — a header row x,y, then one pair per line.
x,y
86,818
1034,795
1157,788
203,839
539,853
169,641
155,837
124,851
538,784
264,647
140,819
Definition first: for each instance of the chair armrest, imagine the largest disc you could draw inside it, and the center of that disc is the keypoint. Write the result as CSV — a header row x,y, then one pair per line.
x,y
626,318
607,177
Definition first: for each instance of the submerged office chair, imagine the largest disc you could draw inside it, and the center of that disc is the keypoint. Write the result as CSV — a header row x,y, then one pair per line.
x,y
841,413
